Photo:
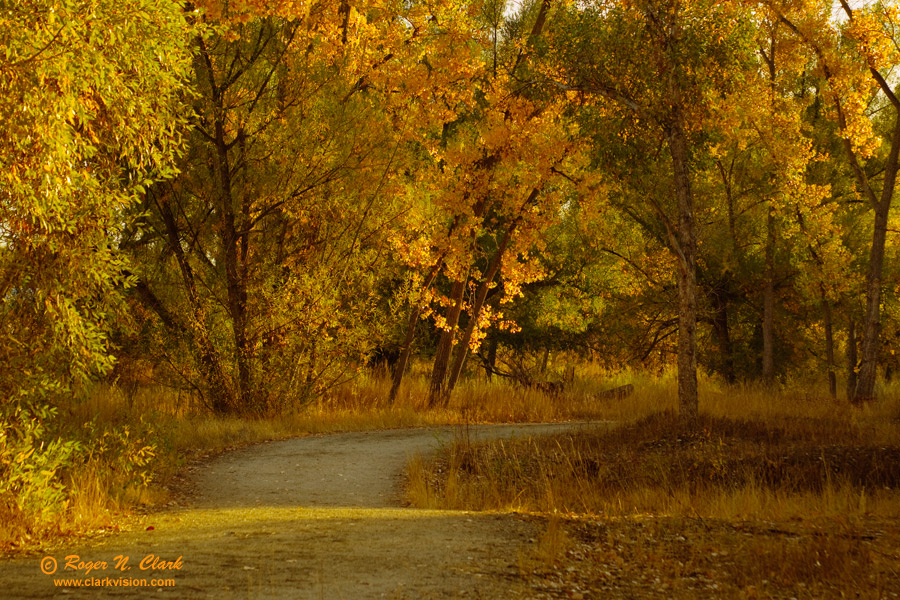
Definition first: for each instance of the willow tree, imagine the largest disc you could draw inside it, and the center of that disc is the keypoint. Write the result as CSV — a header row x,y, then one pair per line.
x,y
89,104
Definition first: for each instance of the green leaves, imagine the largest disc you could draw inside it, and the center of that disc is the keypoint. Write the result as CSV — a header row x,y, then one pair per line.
x,y
88,93
89,99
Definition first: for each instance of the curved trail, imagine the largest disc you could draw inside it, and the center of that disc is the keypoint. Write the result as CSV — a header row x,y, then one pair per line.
x,y
313,517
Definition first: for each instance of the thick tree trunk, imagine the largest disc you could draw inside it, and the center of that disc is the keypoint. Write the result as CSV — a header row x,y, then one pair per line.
x,y
235,285
687,267
865,389
768,324
868,364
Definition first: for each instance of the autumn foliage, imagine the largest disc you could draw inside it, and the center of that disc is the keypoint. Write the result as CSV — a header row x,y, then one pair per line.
x,y
250,202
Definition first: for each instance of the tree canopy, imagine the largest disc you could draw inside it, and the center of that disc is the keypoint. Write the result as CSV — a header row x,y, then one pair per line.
x,y
255,199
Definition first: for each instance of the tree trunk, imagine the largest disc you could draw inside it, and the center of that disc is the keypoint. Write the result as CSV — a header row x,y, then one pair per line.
x,y
687,267
235,285
545,360
865,389
851,360
723,335
406,350
829,345
768,324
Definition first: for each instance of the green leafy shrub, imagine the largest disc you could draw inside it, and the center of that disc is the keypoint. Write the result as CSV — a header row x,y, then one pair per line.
x,y
32,462
124,452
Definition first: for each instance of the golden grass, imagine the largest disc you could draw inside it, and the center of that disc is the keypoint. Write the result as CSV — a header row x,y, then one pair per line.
x,y
769,493
178,428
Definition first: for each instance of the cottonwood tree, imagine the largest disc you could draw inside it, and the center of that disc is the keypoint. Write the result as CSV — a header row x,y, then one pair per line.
x,y
494,182
855,55
649,69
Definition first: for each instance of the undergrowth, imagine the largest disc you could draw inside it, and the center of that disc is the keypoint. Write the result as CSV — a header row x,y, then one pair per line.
x,y
83,465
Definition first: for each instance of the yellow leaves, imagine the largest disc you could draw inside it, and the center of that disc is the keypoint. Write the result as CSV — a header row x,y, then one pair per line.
x,y
872,29
861,135
416,252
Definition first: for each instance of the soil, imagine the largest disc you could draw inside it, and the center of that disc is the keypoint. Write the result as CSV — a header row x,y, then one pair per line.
x,y
314,517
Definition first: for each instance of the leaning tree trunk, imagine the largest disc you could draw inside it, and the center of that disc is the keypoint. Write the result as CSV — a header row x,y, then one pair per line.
x,y
480,295
445,346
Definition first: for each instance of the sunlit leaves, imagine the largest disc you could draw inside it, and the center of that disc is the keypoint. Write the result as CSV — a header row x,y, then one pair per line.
x,y
87,94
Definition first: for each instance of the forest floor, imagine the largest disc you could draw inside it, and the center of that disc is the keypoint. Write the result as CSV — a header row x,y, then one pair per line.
x,y
683,558
313,517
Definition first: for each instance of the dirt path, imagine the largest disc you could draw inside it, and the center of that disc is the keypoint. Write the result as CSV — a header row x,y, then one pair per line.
x,y
315,517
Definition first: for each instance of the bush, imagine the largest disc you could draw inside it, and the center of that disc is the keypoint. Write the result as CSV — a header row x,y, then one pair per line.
x,y
32,463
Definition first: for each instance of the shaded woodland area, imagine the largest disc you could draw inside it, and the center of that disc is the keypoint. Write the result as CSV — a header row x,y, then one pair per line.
x,y
251,202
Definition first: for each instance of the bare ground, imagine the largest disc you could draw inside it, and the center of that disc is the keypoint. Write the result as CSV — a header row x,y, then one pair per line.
x,y
314,517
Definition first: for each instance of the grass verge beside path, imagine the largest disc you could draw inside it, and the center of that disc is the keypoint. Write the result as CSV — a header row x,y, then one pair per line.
x,y
779,505
133,445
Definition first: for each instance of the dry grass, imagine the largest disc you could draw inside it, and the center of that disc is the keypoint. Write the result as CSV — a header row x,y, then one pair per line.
x,y
660,465
178,429
752,451
767,495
